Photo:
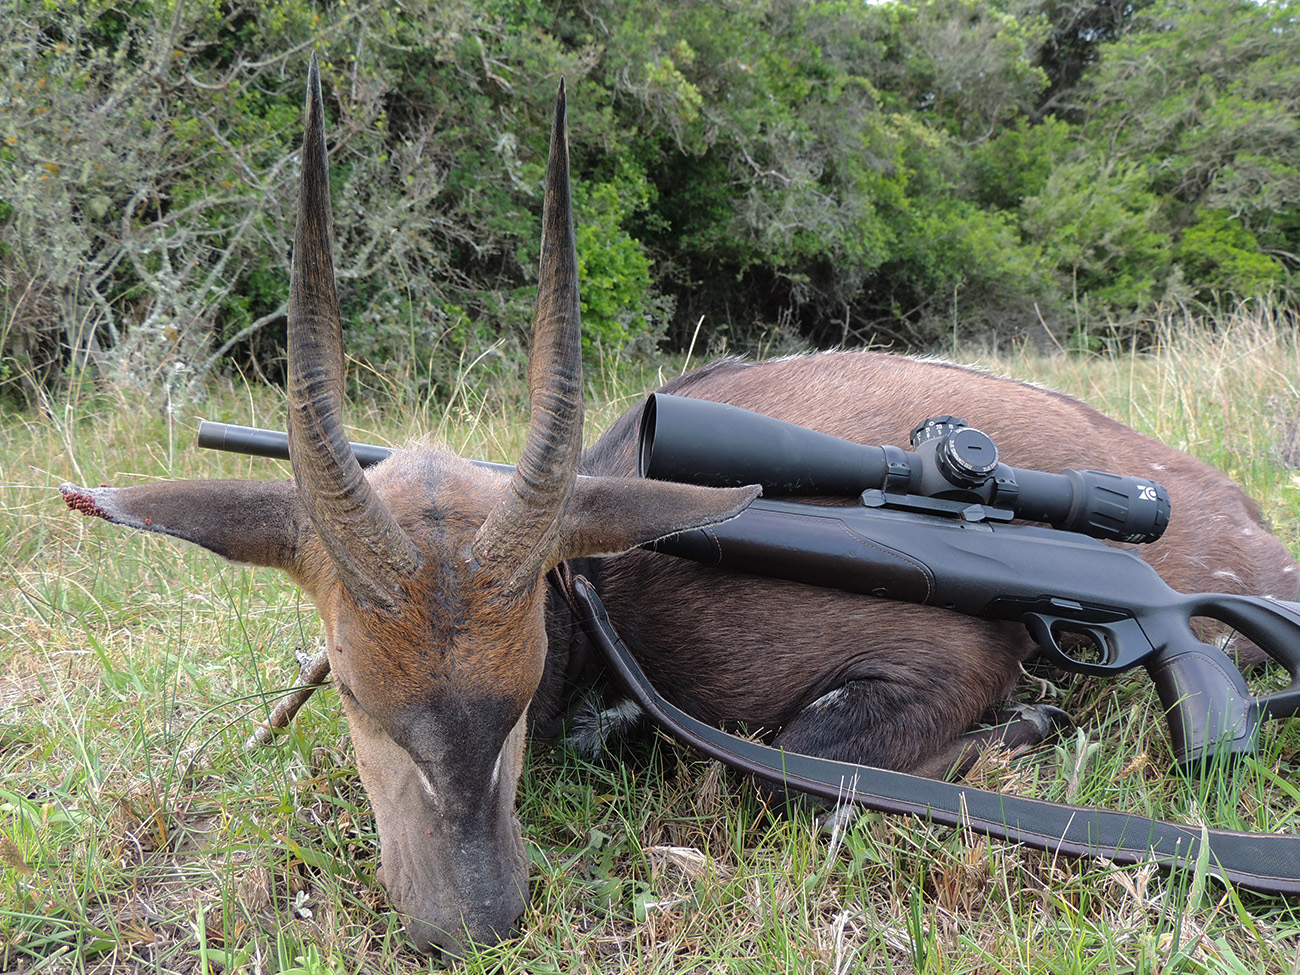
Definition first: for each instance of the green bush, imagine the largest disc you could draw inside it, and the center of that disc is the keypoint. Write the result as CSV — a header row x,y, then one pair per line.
x,y
620,308
1015,164
1100,232
1220,257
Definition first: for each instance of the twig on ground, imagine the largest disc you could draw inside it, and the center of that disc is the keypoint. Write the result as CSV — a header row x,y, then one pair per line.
x,y
312,672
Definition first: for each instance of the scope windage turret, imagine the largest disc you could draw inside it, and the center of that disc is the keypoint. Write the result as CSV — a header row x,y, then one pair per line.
x,y
702,442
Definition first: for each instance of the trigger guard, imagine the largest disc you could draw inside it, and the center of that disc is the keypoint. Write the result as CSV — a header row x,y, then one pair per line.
x,y
1042,628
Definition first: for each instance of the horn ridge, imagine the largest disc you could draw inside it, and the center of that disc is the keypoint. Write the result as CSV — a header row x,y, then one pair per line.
x,y
521,534
372,552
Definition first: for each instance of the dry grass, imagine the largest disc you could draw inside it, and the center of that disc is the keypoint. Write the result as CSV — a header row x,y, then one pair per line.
x,y
136,835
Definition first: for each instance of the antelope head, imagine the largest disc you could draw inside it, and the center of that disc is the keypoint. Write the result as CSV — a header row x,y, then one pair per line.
x,y
427,572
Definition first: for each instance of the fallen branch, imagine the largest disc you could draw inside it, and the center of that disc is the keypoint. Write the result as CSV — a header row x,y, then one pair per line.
x,y
312,672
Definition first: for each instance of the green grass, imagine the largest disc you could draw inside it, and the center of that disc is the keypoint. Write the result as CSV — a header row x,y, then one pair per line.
x,y
136,834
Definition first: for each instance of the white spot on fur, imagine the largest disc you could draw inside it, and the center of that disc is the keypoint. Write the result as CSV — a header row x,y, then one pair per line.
x,y
1157,467
1227,574
426,784
593,726
496,771
825,701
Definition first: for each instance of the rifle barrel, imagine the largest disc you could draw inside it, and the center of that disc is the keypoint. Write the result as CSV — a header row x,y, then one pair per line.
x,y
261,442
269,443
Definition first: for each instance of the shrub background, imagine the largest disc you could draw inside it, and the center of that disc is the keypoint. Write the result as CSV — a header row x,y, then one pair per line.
x,y
749,175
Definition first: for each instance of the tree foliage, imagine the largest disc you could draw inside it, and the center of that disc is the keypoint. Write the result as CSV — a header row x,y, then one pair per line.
x,y
756,172
1207,98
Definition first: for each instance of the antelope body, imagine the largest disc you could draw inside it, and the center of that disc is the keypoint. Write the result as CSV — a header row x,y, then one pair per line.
x,y
429,573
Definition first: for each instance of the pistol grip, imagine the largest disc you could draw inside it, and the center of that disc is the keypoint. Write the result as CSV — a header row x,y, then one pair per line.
x,y
1211,712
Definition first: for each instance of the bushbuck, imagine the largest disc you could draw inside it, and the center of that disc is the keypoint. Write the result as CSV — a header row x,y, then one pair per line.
x,y
447,642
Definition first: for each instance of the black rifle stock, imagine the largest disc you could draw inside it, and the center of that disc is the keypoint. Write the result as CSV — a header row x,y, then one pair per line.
x,y
1059,584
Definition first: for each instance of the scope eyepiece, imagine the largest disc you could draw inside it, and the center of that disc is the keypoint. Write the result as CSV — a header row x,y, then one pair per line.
x,y
1113,506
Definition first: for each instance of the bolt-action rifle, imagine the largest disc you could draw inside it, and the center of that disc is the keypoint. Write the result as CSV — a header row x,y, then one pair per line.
x,y
932,525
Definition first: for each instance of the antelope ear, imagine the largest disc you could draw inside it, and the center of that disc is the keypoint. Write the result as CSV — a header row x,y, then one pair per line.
x,y
256,522
609,515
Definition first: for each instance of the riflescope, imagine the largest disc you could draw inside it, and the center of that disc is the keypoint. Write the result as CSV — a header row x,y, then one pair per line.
x,y
702,442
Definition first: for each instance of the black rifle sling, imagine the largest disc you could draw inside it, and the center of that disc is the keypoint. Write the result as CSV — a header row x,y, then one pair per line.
x,y
1258,861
